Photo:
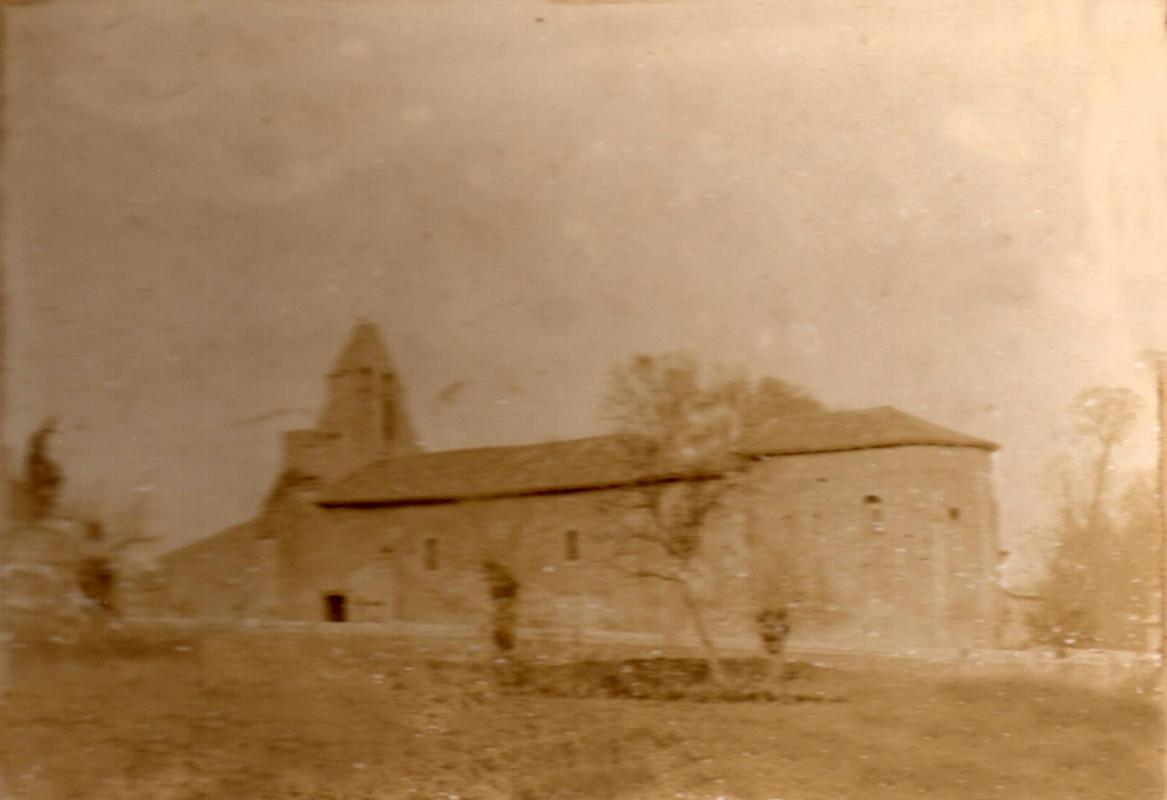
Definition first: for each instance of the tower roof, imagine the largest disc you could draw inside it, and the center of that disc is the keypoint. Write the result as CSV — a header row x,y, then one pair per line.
x,y
364,349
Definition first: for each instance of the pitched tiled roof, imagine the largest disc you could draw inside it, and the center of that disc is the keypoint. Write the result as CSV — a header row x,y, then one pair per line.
x,y
228,538
597,462
853,430
363,349
493,471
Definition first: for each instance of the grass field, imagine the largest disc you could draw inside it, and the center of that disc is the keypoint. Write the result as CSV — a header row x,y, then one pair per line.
x,y
164,725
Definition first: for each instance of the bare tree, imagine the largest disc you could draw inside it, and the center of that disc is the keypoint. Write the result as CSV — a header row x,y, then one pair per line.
x,y
1104,416
771,397
504,592
681,426
111,534
1084,531
496,547
773,628
1130,594
64,559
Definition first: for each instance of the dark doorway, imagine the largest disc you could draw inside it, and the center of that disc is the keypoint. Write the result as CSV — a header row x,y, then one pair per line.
x,y
335,607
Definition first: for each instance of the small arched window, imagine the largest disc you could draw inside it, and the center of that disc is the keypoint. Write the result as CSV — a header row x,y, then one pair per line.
x,y
954,513
571,545
874,505
431,554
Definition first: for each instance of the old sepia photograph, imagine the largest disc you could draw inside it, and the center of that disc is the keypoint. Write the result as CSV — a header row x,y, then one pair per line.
x,y
583,399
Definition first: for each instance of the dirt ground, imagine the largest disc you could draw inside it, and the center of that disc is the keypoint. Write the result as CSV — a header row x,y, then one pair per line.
x,y
164,725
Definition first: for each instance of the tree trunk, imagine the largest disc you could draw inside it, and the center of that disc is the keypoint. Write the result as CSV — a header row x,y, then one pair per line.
x,y
776,670
716,669
1098,495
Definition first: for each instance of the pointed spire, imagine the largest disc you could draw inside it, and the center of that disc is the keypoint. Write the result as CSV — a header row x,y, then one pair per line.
x,y
364,349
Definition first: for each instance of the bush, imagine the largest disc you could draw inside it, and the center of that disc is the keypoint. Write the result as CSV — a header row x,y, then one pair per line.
x,y
654,679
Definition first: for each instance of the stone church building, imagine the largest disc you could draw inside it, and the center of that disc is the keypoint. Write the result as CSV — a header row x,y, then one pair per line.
x,y
875,529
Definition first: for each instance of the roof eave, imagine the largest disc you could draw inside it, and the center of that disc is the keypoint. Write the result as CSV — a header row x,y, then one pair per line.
x,y
369,501
767,452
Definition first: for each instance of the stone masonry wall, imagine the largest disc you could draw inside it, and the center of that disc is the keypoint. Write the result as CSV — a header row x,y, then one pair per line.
x,y
884,548
424,564
880,549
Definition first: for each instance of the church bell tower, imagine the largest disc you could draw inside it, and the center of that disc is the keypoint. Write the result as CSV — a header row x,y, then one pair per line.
x,y
364,417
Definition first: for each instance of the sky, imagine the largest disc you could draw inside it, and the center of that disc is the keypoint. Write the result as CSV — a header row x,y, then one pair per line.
x,y
951,208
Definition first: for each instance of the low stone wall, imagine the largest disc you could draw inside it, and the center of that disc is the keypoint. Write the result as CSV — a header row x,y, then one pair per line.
x,y
1104,669
228,648
1097,669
